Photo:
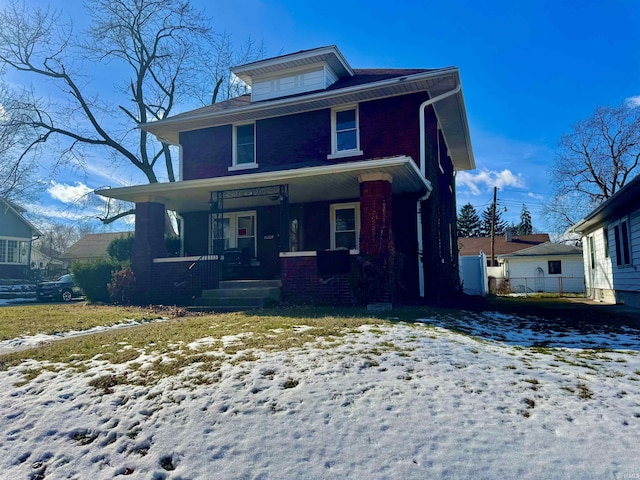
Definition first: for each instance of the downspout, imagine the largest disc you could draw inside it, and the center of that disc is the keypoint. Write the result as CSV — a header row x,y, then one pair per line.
x,y
423,142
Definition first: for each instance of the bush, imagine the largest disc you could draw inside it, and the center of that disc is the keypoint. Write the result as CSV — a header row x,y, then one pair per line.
x,y
122,286
93,279
120,248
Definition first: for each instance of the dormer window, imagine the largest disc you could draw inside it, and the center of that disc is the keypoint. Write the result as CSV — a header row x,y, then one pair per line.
x,y
345,132
244,147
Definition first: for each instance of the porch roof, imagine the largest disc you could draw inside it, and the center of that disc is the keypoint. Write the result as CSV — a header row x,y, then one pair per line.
x,y
308,184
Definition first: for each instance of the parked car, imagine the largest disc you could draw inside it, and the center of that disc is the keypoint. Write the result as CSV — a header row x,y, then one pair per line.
x,y
61,289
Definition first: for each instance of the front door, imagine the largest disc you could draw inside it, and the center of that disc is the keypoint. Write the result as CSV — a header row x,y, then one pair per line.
x,y
236,231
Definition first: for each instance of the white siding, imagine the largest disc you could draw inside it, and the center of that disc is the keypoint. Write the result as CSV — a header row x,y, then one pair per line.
x,y
523,276
627,277
289,84
600,276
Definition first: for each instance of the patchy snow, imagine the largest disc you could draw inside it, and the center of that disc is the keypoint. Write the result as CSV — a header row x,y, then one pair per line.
x,y
390,401
29,341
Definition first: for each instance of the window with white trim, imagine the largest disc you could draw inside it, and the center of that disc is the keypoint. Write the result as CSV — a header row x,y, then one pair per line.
x,y
554,267
622,243
244,146
13,251
345,225
345,132
237,230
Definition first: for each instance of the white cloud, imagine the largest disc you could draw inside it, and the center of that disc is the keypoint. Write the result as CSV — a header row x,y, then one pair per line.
x,y
633,102
487,179
68,193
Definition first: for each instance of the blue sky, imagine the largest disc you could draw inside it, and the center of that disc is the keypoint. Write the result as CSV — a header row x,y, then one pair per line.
x,y
529,70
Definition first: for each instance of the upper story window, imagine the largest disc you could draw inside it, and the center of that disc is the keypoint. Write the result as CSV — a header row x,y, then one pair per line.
x,y
244,147
345,132
345,225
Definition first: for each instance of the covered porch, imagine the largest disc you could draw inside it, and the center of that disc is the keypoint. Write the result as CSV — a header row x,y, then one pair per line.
x,y
304,226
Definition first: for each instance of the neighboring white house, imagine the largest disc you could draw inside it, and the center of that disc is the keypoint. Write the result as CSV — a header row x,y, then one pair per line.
x,y
611,240
548,267
482,278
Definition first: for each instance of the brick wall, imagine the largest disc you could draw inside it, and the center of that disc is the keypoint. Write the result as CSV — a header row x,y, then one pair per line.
x,y
301,283
149,244
388,127
375,217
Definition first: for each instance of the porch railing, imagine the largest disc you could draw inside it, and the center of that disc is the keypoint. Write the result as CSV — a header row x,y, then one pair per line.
x,y
205,274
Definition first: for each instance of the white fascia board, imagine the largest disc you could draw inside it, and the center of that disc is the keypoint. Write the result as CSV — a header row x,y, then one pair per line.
x,y
242,71
155,190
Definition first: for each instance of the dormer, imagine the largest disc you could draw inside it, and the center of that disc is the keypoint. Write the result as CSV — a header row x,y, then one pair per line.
x,y
301,72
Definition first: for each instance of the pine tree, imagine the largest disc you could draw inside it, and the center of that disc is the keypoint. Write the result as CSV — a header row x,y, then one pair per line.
x,y
525,227
468,222
485,227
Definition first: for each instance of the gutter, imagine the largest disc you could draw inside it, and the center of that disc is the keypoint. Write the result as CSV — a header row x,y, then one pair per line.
x,y
423,142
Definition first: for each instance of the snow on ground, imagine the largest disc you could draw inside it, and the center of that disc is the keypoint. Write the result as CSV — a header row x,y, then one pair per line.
x,y
399,401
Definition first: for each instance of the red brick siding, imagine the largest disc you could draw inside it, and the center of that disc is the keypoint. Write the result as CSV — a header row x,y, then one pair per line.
x,y
388,127
301,283
149,244
375,217
206,153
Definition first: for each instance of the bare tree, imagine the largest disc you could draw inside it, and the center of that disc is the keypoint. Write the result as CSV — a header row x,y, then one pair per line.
x,y
151,54
594,160
16,169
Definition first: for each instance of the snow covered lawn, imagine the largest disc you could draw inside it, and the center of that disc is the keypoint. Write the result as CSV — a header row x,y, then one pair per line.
x,y
486,396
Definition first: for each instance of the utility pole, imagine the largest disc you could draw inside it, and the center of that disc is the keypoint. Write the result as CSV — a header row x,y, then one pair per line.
x,y
493,226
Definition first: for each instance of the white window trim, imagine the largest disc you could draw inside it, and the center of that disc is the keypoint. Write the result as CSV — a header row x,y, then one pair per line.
x,y
234,154
335,153
612,227
19,240
233,228
340,206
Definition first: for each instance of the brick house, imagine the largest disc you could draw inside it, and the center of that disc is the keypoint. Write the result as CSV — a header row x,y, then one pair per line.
x,y
319,166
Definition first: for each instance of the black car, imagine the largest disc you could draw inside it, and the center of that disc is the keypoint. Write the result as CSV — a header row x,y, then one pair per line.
x,y
61,289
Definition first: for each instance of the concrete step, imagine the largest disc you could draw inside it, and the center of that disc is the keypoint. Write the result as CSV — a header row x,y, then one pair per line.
x,y
234,295
250,284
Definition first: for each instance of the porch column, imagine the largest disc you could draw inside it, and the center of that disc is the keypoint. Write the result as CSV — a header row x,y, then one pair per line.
x,y
375,213
148,244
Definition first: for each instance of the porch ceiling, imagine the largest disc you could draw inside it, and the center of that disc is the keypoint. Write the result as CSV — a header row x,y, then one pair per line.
x,y
330,182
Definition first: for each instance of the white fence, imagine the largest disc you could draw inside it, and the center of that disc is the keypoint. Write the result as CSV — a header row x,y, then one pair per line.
x,y
544,284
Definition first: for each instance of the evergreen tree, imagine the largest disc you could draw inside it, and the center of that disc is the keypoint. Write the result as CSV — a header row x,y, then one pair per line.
x,y
468,222
524,227
485,226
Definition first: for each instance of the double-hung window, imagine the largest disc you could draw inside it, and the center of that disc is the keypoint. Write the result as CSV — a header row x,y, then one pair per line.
x,y
244,146
345,225
622,244
345,132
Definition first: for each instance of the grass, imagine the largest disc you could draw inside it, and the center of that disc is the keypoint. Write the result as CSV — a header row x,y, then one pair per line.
x,y
265,330
17,321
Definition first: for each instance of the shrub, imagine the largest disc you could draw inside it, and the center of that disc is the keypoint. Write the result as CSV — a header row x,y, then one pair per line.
x,y
122,286
120,248
93,278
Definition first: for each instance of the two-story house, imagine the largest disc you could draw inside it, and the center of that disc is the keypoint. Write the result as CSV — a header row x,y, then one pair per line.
x,y
319,166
